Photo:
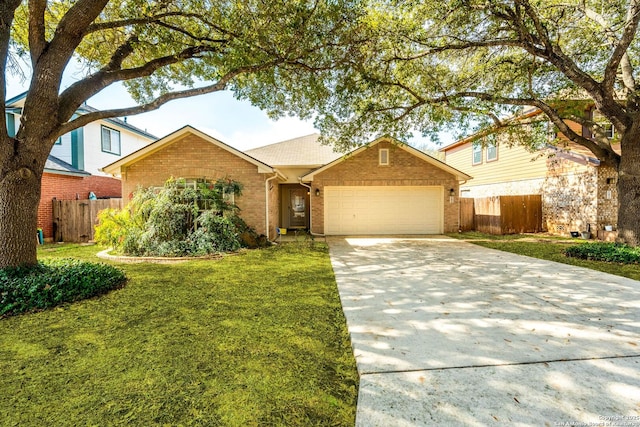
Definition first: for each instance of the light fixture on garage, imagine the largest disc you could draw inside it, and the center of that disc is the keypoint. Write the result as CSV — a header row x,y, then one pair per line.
x,y
317,192
452,194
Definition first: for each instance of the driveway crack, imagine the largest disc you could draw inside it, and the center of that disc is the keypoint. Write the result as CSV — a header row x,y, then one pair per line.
x,y
537,362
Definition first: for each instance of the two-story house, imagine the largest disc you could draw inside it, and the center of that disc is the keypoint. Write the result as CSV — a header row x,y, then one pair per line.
x,y
578,193
73,168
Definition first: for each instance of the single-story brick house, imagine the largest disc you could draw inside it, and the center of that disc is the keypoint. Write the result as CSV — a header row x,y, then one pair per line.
x,y
384,187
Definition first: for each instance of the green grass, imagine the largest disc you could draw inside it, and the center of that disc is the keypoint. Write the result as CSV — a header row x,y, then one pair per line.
x,y
253,339
547,247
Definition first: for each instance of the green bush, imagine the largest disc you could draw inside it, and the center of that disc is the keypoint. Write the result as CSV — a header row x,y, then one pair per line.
x,y
51,283
608,252
178,220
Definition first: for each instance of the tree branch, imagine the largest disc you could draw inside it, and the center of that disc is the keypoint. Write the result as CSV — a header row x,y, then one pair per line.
x,y
69,34
189,34
604,153
37,40
221,84
7,11
120,54
620,50
543,34
625,63
84,89
110,25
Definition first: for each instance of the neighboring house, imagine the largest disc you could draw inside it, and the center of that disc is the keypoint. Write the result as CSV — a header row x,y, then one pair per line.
x,y
73,168
577,191
385,187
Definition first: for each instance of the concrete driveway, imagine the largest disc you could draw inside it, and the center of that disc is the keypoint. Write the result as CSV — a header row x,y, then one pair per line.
x,y
449,333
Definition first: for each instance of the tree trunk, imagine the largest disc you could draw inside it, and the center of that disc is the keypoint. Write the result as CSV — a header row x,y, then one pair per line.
x,y
629,187
19,199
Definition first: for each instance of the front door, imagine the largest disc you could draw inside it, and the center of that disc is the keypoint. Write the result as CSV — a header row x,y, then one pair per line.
x,y
297,207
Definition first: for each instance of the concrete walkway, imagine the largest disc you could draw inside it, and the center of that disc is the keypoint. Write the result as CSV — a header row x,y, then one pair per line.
x,y
449,333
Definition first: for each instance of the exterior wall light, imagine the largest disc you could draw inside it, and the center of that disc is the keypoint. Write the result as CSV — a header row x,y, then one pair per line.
x,y
317,192
452,194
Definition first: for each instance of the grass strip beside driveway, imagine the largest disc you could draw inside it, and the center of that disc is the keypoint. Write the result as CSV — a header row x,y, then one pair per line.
x,y
546,247
249,340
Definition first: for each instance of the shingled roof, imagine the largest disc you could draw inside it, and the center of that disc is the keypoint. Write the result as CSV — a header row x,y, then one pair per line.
x,y
303,151
55,165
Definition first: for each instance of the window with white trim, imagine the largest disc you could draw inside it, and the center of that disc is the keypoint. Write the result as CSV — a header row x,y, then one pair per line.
x,y
383,157
492,148
476,151
110,140
604,123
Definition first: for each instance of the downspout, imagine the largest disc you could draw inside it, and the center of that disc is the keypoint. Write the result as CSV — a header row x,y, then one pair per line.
x,y
460,184
266,202
310,210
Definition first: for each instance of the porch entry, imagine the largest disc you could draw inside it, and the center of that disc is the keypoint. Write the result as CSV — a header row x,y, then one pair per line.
x,y
294,206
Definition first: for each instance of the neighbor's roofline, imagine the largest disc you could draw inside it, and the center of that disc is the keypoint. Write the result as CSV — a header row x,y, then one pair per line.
x,y
487,131
83,108
16,98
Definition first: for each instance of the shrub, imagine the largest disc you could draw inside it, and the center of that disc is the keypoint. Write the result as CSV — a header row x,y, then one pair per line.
x,y
608,252
178,220
51,283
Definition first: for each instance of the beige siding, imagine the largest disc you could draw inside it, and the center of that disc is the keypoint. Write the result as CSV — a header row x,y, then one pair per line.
x,y
513,163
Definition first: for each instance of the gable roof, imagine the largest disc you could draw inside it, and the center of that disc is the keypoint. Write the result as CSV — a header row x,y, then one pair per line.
x,y
303,151
57,166
115,167
411,150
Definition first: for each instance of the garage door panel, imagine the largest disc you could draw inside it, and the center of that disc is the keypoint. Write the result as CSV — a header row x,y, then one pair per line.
x,y
383,210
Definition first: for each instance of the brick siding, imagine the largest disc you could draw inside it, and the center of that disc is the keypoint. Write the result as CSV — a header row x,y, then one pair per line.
x,y
68,187
404,169
193,157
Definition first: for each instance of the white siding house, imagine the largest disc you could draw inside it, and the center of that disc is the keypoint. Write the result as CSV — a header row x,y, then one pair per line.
x,y
91,147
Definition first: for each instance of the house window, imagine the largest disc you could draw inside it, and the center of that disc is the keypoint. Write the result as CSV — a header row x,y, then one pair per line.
x,y
605,124
229,197
383,157
110,140
477,153
492,148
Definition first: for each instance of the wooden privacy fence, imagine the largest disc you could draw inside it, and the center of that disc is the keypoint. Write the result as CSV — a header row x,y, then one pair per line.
x,y
502,214
467,215
74,220
509,214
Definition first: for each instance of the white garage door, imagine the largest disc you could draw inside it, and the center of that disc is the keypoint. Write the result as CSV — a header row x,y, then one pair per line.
x,y
383,210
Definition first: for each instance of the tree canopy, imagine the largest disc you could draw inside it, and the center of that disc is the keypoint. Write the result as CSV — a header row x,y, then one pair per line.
x,y
164,50
429,64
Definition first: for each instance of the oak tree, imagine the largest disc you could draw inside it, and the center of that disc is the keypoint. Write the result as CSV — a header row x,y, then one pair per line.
x,y
161,50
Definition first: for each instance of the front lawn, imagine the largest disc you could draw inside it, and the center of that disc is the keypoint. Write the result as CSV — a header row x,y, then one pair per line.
x,y
547,247
253,339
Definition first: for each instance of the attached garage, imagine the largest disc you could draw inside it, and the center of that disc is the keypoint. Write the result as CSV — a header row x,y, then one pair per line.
x,y
352,210
384,187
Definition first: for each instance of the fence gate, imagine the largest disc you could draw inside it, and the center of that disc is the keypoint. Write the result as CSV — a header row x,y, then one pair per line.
x,y
74,220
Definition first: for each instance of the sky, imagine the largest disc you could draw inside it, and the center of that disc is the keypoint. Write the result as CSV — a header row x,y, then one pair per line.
x,y
232,121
